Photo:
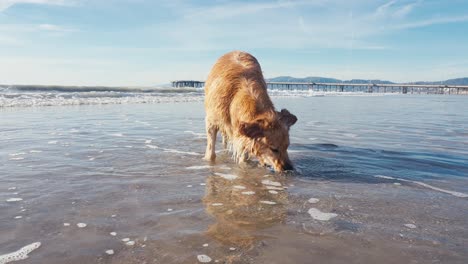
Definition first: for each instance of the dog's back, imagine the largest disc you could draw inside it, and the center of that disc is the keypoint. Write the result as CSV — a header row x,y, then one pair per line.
x,y
235,91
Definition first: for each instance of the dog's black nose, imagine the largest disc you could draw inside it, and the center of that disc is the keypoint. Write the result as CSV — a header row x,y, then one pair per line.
x,y
288,166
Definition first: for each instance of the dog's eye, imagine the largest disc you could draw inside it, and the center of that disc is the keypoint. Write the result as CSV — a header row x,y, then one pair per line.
x,y
274,150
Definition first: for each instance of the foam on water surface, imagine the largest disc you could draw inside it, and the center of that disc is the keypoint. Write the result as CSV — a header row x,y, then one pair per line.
x,y
20,254
226,176
201,167
274,188
271,183
313,200
10,200
457,194
412,226
319,215
268,202
17,158
173,150
248,193
81,225
204,258
17,154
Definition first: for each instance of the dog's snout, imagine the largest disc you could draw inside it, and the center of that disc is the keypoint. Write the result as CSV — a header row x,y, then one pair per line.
x,y
288,166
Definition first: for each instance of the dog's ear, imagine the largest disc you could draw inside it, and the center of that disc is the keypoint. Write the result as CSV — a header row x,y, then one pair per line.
x,y
251,130
287,118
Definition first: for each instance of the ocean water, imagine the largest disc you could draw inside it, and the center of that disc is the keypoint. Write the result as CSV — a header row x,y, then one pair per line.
x,y
118,177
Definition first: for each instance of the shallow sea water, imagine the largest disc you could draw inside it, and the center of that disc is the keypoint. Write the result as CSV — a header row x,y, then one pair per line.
x,y
380,179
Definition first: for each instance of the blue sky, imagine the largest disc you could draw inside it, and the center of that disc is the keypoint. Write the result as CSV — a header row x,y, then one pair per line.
x,y
143,42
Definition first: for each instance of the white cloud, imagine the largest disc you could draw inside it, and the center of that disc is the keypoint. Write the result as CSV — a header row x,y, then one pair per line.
x,y
5,4
432,21
233,9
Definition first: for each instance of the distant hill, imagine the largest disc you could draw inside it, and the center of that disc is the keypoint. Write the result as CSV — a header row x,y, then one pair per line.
x,y
458,81
306,79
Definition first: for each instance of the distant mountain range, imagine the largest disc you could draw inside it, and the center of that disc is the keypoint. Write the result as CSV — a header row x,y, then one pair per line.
x,y
458,81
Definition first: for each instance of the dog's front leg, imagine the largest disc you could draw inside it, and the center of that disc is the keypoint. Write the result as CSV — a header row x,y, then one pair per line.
x,y
211,131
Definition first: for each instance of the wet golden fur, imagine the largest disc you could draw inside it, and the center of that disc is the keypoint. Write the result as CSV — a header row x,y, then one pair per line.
x,y
237,104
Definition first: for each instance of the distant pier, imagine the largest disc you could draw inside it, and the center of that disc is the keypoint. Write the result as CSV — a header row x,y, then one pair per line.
x,y
350,87
185,83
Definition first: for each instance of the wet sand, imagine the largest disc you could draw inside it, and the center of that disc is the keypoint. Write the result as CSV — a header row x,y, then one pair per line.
x,y
126,184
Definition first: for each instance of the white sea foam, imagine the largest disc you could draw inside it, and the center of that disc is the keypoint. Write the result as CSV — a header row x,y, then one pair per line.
x,y
268,202
204,258
457,194
17,158
273,192
11,188
17,154
125,239
239,187
217,204
116,135
20,254
199,135
202,167
313,200
226,176
130,243
52,142
81,225
412,226
35,151
271,183
148,141
181,152
274,188
248,193
18,217
113,233
173,150
66,224
110,252
318,215
10,200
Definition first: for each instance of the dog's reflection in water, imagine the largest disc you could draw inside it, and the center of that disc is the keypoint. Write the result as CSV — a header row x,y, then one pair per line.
x,y
243,207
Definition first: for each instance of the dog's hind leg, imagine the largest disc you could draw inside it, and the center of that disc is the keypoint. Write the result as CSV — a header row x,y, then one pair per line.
x,y
211,131
225,140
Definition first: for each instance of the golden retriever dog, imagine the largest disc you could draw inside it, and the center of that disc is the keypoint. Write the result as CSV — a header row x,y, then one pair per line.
x,y
237,104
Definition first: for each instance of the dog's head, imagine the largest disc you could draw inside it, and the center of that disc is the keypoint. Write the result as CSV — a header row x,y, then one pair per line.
x,y
270,135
